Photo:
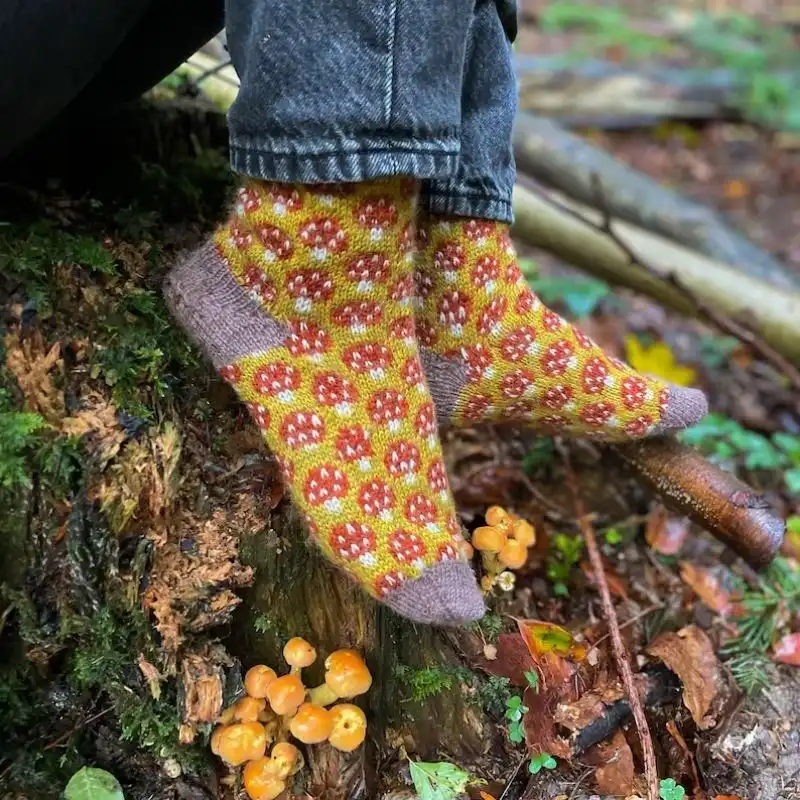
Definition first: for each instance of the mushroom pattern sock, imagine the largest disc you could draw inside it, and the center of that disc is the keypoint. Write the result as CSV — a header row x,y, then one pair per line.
x,y
303,302
494,353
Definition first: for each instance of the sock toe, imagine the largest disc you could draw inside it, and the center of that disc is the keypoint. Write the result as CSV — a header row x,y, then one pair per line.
x,y
445,594
684,408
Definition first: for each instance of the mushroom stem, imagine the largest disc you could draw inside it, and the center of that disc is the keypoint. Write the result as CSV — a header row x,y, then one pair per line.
x,y
322,695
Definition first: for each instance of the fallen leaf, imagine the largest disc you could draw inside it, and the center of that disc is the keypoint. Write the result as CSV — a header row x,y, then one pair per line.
x,y
589,707
787,650
708,587
664,532
151,675
544,637
512,659
657,360
690,655
541,734
616,776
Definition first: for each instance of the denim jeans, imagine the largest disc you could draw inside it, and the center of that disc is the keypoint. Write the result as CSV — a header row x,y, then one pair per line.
x,y
354,90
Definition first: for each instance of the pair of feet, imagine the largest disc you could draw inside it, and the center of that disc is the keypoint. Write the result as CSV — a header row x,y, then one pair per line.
x,y
352,327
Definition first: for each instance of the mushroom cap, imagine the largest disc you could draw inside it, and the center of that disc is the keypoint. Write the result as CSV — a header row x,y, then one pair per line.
x,y
257,679
524,532
299,653
488,539
514,554
312,724
247,709
240,742
497,516
285,694
346,674
285,760
259,782
349,727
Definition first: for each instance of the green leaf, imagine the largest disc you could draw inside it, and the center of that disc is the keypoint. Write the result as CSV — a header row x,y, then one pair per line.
x,y
516,732
440,781
669,789
90,783
793,524
533,679
613,536
580,296
792,478
541,761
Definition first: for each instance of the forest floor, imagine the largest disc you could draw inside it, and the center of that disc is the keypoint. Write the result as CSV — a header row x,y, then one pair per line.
x,y
134,488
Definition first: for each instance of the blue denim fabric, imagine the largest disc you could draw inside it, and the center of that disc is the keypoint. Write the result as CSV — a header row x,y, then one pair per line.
x,y
351,90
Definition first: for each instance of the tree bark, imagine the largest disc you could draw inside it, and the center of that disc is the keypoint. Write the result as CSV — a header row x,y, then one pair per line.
x,y
769,311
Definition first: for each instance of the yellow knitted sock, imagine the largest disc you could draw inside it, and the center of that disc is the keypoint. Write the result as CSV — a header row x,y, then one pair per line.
x,y
521,362
304,303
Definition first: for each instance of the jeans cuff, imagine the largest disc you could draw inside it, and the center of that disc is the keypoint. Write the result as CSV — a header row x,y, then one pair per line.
x,y
343,160
454,204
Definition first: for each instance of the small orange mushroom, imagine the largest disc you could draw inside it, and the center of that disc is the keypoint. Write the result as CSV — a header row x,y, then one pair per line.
x,y
258,679
488,539
299,654
285,694
285,759
498,517
349,727
240,742
226,717
248,709
312,724
346,676
514,554
524,532
260,782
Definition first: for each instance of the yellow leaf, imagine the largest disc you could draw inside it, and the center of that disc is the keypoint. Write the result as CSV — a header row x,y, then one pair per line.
x,y
544,637
657,360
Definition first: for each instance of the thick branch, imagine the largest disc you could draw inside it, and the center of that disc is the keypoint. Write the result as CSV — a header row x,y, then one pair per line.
x,y
568,163
770,312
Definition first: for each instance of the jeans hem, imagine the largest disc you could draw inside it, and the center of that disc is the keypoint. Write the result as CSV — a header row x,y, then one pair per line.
x,y
469,205
343,160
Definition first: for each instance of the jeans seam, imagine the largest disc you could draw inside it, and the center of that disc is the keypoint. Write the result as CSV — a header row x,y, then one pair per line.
x,y
390,76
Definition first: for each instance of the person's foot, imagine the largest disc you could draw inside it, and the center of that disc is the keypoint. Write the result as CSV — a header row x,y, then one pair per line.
x,y
494,353
303,302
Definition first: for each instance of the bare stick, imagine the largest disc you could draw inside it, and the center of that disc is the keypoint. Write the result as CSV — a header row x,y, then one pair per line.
x,y
620,653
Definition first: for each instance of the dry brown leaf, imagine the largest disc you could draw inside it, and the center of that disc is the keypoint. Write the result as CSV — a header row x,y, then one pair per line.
x,y
617,775
707,586
34,368
151,675
512,659
589,707
664,532
554,687
690,655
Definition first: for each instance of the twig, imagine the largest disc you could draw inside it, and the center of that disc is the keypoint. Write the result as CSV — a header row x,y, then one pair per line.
x,y
631,621
88,721
513,777
620,653
579,783
725,323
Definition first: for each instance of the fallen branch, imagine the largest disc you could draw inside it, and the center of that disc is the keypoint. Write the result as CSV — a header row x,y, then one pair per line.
x,y
620,652
574,233
716,500
566,162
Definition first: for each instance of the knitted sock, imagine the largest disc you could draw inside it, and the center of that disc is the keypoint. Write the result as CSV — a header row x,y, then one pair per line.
x,y
495,353
303,303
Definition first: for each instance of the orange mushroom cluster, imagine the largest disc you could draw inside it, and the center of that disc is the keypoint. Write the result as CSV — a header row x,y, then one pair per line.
x,y
503,544
277,707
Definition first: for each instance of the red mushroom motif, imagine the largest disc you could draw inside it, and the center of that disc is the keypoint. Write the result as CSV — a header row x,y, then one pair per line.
x,y
485,273
335,391
354,541
406,241
557,397
232,373
240,237
558,358
325,485
358,315
259,414
526,302
491,317
479,363
425,423
403,329
284,198
421,510
583,340
552,321
309,286
424,284
308,339
407,548
368,270
277,379
323,235
277,244
634,391
454,308
477,408
447,552
596,376
479,230
520,410
302,429
640,426
371,358
376,499
388,407
518,383
413,374
519,343
449,259
598,414
376,214
259,286
403,290
426,333
402,460
353,444
248,200
514,274
437,478
388,583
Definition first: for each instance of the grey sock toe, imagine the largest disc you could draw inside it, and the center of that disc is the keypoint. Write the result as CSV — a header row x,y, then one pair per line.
x,y
444,594
684,408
